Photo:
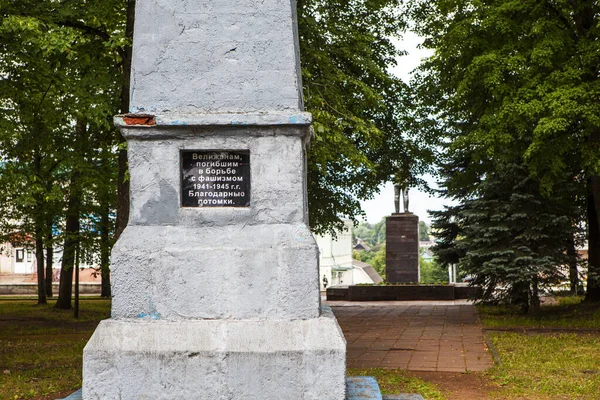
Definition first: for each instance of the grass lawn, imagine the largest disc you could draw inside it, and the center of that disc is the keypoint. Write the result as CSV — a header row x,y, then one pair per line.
x,y
399,381
41,348
547,366
554,354
568,313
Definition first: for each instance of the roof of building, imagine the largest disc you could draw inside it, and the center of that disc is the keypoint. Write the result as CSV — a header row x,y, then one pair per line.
x,y
427,254
361,245
369,270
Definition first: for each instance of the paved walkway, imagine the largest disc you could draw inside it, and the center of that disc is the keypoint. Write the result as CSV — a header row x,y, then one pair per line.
x,y
418,336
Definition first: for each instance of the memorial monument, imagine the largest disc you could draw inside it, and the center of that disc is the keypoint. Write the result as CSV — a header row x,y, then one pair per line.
x,y
402,239
215,279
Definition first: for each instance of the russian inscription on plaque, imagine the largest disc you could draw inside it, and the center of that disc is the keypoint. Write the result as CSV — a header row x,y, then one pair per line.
x,y
215,178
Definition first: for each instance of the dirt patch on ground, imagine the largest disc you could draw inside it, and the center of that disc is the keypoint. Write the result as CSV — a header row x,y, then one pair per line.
x,y
459,386
54,396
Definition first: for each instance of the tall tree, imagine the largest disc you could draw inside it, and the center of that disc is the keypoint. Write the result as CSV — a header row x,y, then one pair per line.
x,y
60,64
31,97
346,53
519,78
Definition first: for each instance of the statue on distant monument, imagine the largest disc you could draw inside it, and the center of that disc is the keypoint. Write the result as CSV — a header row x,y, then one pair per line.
x,y
401,186
398,189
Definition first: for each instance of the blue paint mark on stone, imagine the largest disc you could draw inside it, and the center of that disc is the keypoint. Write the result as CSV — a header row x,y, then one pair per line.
x,y
152,313
366,388
362,388
295,120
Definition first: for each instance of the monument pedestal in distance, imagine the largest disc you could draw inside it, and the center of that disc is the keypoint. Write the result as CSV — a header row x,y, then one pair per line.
x,y
402,248
215,279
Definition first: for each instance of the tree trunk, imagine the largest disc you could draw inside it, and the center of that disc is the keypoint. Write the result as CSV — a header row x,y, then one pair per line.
x,y
39,259
49,260
593,220
76,313
534,297
39,232
105,249
123,182
572,259
69,248
71,227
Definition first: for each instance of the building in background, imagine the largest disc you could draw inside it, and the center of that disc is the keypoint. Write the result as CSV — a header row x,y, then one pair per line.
x,y
18,256
336,264
361,245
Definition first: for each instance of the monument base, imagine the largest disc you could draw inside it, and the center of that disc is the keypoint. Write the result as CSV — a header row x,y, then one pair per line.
x,y
216,359
402,248
357,388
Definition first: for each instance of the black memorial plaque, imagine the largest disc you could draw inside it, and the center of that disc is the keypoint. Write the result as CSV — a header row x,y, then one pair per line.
x,y
215,178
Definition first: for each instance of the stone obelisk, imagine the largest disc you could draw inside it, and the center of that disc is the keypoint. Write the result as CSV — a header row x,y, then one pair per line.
x,y
215,279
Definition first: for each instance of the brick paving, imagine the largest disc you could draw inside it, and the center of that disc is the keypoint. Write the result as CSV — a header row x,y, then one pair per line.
x,y
413,336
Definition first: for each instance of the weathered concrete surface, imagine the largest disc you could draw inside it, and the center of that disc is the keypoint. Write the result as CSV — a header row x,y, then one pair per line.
x,y
204,56
216,359
277,162
269,118
235,271
357,388
216,303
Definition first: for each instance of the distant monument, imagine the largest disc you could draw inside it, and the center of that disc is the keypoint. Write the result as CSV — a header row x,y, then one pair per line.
x,y
402,237
215,279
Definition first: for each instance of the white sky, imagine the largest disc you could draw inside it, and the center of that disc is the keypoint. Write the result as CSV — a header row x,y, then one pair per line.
x,y
383,203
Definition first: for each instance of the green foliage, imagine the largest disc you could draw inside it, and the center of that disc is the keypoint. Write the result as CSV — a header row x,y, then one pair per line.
x,y
432,272
346,53
423,231
373,235
512,89
447,227
59,88
510,237
63,62
374,257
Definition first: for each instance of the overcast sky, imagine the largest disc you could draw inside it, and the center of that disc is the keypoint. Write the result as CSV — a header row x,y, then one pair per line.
x,y
383,203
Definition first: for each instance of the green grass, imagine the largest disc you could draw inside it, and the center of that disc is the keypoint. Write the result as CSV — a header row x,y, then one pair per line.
x,y
398,381
41,351
570,313
544,366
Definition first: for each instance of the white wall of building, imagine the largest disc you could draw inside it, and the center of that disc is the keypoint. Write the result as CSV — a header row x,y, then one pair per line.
x,y
335,259
22,260
5,258
17,259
